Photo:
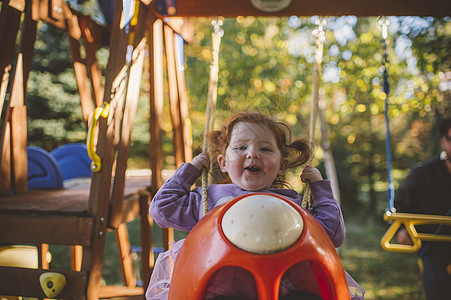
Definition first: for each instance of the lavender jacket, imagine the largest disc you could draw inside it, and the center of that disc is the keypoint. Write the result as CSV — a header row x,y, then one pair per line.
x,y
176,205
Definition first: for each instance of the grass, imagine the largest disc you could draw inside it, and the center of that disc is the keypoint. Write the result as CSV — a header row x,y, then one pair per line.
x,y
383,275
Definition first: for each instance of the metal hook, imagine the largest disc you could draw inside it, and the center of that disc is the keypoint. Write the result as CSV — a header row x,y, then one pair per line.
x,y
319,32
217,23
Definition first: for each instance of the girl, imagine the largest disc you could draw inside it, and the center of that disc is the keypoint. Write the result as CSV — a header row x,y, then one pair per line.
x,y
253,153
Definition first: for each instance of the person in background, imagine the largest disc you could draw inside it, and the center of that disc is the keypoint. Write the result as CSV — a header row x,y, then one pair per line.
x,y
427,190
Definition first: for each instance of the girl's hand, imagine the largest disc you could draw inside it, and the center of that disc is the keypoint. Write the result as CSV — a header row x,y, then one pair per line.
x,y
201,161
311,174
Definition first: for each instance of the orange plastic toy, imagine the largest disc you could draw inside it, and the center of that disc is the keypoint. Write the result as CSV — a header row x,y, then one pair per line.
x,y
206,250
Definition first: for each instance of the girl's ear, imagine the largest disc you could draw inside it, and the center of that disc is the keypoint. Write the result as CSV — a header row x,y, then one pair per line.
x,y
283,166
222,163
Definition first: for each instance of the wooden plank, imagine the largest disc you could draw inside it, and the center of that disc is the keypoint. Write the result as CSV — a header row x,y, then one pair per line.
x,y
125,258
76,256
17,4
9,27
72,201
48,229
129,211
174,96
87,104
361,8
52,12
26,46
110,291
133,82
147,257
43,251
91,41
156,112
183,101
18,110
19,149
13,279
156,102
99,199
5,161
182,26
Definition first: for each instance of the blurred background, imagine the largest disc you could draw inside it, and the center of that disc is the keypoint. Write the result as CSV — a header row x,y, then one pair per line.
x,y
266,64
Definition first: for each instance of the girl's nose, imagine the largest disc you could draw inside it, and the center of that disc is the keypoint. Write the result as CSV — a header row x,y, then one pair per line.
x,y
253,153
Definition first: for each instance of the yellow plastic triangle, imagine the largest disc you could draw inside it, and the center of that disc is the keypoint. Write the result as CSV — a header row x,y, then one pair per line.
x,y
52,283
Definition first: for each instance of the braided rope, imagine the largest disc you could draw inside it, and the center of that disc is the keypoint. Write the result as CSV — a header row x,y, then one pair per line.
x,y
320,35
211,101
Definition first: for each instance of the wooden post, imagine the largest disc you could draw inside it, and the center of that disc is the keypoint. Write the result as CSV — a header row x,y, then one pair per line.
x,y
183,99
82,79
156,111
147,257
16,104
99,197
9,27
174,96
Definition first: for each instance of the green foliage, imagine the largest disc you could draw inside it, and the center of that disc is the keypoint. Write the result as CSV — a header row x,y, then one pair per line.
x,y
53,104
266,64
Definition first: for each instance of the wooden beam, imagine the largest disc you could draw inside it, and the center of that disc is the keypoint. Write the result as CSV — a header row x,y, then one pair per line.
x,y
19,148
99,197
87,104
125,258
147,257
14,286
92,38
182,26
37,229
183,99
9,27
177,129
156,112
156,102
361,8
132,84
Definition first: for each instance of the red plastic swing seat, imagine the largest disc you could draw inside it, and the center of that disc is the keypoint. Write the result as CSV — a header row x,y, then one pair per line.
x,y
206,250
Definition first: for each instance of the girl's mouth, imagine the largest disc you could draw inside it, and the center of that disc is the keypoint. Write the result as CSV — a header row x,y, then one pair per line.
x,y
252,169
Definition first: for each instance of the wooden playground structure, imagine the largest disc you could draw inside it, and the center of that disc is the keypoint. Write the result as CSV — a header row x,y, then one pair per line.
x,y
81,216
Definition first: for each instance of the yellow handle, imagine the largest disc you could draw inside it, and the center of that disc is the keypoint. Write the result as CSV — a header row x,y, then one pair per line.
x,y
409,221
385,242
101,111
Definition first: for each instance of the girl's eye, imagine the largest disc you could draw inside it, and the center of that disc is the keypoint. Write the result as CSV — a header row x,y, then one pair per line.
x,y
240,148
265,149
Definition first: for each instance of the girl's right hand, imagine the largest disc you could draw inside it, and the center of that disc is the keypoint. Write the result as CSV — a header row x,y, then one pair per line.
x,y
201,161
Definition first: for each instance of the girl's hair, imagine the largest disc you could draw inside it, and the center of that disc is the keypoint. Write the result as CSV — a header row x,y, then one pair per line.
x,y
296,152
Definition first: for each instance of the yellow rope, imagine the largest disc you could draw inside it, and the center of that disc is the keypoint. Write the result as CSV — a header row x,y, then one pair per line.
x,y
211,101
319,34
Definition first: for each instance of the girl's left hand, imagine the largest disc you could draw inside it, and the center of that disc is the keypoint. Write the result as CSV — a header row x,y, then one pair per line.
x,y
311,174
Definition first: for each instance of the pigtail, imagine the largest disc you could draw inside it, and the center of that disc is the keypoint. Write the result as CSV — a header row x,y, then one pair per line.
x,y
217,144
299,153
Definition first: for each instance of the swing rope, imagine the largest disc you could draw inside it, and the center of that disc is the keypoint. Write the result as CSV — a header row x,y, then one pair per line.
x,y
319,34
211,101
383,22
408,220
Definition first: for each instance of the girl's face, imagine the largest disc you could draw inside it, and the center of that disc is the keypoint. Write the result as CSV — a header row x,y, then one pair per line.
x,y
252,158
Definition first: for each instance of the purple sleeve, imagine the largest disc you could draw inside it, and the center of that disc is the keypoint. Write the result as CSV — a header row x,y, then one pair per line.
x,y
175,205
327,211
